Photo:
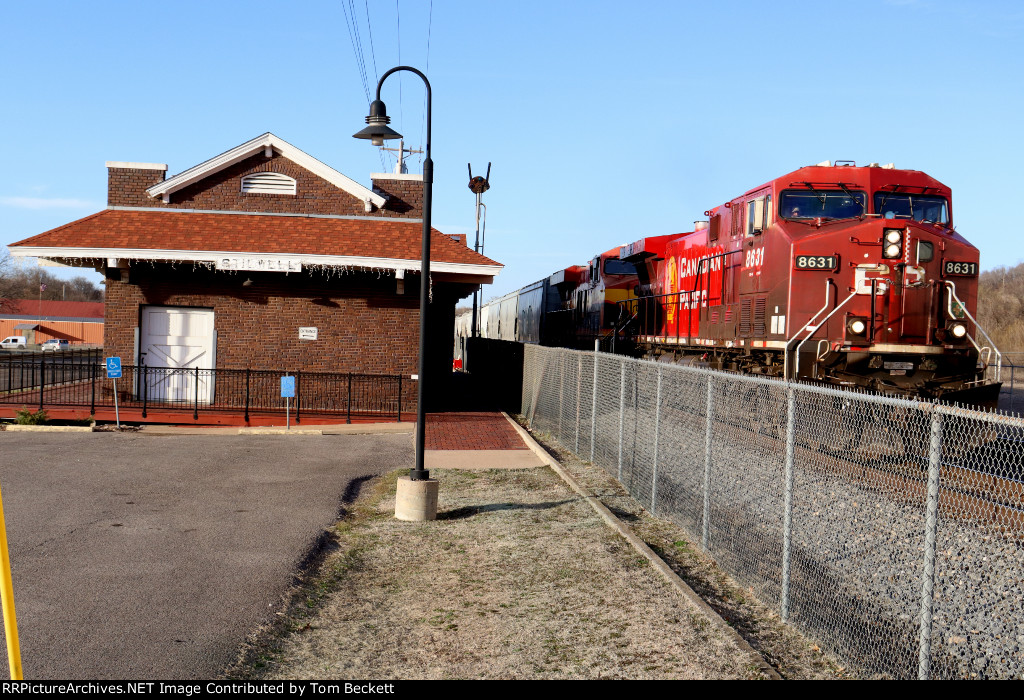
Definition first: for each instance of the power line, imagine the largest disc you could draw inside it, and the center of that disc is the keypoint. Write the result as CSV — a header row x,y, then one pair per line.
x,y
353,30
373,58
369,31
352,24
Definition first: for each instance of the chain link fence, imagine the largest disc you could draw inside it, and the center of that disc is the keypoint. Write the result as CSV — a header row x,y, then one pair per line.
x,y
890,531
1011,396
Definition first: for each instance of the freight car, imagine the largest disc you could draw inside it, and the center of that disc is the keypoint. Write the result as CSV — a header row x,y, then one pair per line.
x,y
833,273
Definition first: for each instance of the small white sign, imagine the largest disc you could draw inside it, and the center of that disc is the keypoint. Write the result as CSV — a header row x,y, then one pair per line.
x,y
308,333
259,264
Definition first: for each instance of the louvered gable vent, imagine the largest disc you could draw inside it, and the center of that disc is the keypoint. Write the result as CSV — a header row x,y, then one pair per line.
x,y
268,183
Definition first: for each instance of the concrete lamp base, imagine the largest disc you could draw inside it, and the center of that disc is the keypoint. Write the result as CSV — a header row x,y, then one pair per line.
x,y
416,501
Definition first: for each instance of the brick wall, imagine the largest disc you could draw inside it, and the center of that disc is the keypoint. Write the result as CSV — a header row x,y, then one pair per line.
x,y
222,191
363,325
124,185
405,196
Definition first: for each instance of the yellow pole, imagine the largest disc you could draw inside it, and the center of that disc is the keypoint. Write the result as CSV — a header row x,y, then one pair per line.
x,y
7,593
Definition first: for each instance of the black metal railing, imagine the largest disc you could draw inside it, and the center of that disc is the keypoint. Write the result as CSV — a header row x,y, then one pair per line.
x,y
42,381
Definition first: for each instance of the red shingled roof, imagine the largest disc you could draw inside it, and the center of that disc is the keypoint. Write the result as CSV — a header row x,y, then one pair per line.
x,y
200,231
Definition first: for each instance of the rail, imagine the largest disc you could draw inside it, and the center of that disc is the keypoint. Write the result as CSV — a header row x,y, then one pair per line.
x,y
41,381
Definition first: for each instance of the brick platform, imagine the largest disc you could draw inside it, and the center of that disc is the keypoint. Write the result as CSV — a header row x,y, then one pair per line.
x,y
471,431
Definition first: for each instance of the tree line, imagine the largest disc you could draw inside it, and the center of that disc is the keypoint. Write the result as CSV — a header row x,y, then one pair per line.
x,y
17,282
1001,307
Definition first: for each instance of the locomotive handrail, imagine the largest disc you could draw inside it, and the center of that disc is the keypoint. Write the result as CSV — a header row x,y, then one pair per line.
x,y
963,307
785,354
690,292
796,370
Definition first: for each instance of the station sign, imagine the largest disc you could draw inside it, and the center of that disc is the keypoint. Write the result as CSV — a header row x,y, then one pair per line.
x,y
248,263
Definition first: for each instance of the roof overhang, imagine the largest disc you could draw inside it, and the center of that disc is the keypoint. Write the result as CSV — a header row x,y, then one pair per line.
x,y
267,143
88,257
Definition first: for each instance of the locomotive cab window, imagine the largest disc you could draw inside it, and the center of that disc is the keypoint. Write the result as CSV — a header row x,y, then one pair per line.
x,y
919,207
615,266
824,204
756,215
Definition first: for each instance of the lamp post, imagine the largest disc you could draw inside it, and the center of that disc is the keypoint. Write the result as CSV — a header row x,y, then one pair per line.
x,y
378,131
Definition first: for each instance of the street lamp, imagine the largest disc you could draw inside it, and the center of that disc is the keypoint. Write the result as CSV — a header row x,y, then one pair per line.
x,y
378,131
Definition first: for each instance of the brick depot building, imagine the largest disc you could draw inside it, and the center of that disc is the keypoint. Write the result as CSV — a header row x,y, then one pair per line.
x,y
265,258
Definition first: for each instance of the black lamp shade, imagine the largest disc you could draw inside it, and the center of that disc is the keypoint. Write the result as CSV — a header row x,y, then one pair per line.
x,y
377,129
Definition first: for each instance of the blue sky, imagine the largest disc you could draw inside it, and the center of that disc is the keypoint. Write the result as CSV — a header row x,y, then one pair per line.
x,y
605,121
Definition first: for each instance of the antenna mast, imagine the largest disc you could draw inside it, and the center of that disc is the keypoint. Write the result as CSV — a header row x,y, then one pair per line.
x,y
478,185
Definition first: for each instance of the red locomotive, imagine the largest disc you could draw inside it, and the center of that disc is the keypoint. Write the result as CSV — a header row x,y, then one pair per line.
x,y
840,274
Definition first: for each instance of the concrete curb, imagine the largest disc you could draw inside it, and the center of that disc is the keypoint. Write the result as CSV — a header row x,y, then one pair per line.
x,y
353,429
280,431
49,428
641,547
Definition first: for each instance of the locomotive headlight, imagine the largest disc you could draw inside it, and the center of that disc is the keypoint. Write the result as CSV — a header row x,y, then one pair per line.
x,y
857,326
893,245
958,330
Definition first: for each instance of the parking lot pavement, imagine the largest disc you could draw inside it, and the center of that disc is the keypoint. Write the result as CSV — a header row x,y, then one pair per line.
x,y
139,556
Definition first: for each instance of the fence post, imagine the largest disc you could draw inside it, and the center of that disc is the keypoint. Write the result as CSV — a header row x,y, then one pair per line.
x,y
924,657
561,392
593,405
248,371
709,412
622,411
787,517
195,411
579,388
298,396
42,379
1013,388
145,388
657,436
348,404
92,400
399,398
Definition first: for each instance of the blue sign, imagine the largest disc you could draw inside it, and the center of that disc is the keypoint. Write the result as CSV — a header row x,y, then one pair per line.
x,y
287,387
113,368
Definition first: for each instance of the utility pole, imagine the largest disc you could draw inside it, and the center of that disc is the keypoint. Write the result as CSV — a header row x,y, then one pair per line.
x,y
400,167
478,185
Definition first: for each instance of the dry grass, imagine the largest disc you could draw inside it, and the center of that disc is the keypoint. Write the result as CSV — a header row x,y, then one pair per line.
x,y
518,578
792,655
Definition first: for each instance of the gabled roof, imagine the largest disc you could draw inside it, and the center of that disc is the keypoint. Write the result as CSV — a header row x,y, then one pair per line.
x,y
197,236
262,143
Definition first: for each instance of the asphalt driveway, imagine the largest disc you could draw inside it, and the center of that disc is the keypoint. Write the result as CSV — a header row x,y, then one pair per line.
x,y
138,556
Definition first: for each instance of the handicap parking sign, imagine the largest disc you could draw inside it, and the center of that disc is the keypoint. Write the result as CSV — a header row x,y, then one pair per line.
x,y
113,368
287,387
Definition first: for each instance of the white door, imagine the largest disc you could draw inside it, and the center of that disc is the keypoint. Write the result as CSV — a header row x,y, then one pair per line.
x,y
175,341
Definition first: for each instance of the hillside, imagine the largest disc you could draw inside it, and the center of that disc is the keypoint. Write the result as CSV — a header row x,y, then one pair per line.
x,y
1001,307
